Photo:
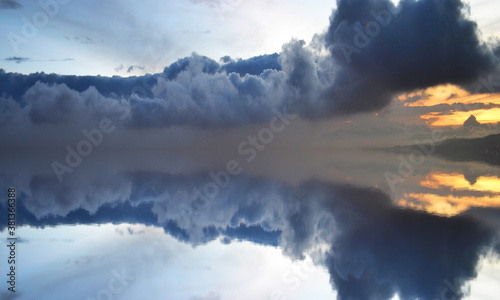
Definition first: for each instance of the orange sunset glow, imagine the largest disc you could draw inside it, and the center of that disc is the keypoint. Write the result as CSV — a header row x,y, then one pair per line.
x,y
435,95
457,118
450,205
460,99
446,205
458,182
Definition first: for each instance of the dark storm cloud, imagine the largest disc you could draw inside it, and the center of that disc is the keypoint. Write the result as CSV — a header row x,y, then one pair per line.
x,y
10,4
383,49
375,249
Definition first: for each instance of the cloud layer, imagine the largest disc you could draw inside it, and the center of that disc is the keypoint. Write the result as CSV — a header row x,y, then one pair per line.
x,y
371,51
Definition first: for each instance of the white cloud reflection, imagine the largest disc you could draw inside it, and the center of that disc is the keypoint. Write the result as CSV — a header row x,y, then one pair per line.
x,y
78,261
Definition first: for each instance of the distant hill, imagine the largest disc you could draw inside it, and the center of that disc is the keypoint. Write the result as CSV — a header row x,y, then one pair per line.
x,y
486,149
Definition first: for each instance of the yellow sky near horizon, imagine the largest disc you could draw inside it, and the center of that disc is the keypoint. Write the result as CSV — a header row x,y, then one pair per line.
x,y
448,205
463,105
457,118
453,203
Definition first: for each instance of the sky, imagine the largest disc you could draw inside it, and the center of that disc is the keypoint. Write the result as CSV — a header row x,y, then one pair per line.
x,y
150,35
81,39
181,64
127,114
172,264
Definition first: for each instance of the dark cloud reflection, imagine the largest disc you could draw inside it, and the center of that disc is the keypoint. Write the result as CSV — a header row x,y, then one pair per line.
x,y
373,248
